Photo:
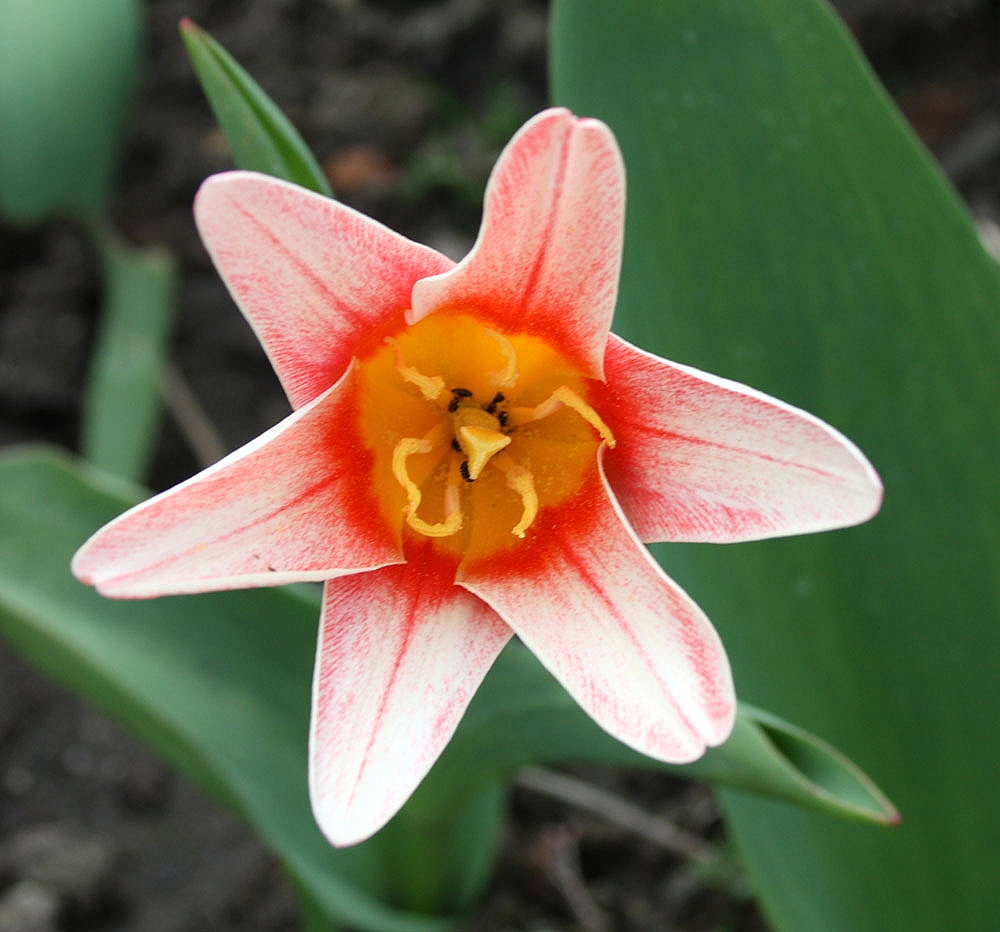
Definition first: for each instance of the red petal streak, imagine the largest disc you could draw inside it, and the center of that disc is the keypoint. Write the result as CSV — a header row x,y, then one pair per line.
x,y
549,250
318,282
294,504
700,458
401,652
624,640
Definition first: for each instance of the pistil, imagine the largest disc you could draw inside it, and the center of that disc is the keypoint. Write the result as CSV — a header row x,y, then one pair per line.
x,y
479,438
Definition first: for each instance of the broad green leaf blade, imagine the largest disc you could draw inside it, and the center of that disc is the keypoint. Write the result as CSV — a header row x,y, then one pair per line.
x,y
121,407
218,684
785,230
261,136
67,73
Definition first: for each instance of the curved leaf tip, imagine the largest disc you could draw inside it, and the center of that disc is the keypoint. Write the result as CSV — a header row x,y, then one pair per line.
x,y
260,135
828,774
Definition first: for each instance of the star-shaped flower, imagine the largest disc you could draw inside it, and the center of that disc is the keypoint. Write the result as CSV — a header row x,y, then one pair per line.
x,y
473,455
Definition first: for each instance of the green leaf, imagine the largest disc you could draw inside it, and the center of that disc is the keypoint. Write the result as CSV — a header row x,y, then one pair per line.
x,y
219,684
121,408
785,230
68,70
195,676
261,137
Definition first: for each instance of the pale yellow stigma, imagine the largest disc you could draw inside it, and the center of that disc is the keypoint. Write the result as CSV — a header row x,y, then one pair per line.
x,y
404,449
431,386
479,444
479,437
565,396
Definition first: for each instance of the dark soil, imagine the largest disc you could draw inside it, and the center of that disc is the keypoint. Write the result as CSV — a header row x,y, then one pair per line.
x,y
408,104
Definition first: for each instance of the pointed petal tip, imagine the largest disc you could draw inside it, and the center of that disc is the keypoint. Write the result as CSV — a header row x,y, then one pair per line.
x,y
221,186
344,827
864,490
570,123
78,567
710,729
88,572
214,187
550,114
723,724
86,567
684,741
876,489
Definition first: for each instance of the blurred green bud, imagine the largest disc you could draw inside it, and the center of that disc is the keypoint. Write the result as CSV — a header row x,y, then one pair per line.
x,y
68,70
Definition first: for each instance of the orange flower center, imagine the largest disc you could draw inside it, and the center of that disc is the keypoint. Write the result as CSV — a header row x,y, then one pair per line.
x,y
475,433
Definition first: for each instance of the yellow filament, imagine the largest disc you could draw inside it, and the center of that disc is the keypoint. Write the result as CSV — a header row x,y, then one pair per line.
x,y
564,395
507,376
404,449
431,386
452,525
520,481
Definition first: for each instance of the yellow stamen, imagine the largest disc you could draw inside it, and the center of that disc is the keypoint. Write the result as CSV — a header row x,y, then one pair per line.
x,y
452,525
564,396
479,444
507,376
520,480
431,386
404,449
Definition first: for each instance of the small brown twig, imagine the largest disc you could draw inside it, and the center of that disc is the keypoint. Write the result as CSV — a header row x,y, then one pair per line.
x,y
616,810
193,422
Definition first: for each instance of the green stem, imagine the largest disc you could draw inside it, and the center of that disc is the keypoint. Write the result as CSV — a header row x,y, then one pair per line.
x,y
440,859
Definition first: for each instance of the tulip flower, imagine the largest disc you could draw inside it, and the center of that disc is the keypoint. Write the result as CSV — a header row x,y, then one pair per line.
x,y
473,455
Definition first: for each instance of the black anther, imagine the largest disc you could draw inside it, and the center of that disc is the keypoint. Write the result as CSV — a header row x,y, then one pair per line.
x,y
492,406
459,394
464,470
